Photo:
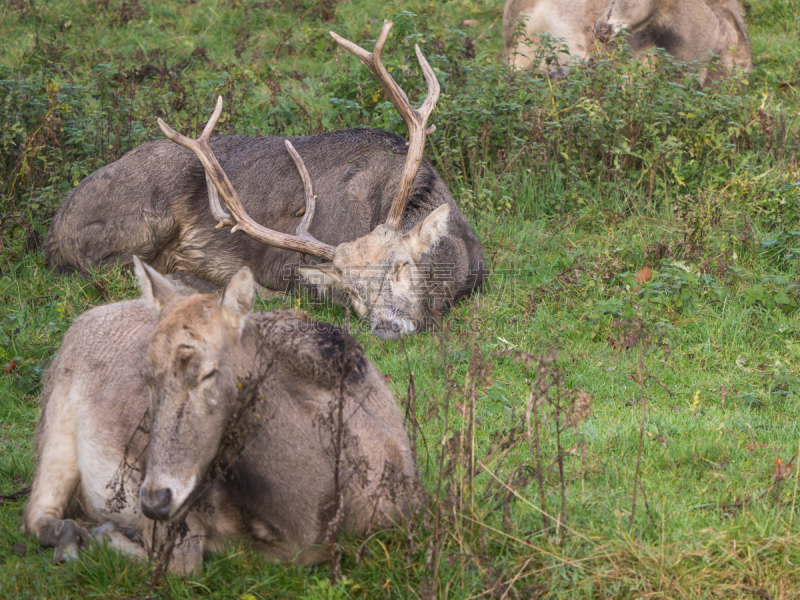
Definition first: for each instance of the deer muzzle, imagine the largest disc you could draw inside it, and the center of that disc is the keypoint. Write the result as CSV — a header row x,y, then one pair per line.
x,y
603,32
156,504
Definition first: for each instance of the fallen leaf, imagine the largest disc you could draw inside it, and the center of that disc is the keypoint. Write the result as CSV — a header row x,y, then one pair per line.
x,y
614,344
630,342
10,366
643,275
469,23
753,445
387,377
781,469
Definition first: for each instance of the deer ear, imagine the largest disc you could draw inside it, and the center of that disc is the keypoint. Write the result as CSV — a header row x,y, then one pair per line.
x,y
156,289
425,235
321,276
238,297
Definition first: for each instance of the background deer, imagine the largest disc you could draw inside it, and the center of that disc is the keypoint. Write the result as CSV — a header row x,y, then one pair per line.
x,y
687,29
690,30
268,427
569,21
391,239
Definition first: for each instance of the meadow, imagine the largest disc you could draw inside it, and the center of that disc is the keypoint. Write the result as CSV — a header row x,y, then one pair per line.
x,y
614,415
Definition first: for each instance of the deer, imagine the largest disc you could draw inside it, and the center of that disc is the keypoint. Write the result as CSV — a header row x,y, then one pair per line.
x,y
689,30
711,31
387,238
570,22
195,417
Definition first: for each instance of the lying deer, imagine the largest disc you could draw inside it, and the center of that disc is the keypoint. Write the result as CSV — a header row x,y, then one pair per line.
x,y
690,30
264,427
386,236
569,22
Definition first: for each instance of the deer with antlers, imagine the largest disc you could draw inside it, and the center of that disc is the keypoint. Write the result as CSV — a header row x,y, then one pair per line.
x,y
372,224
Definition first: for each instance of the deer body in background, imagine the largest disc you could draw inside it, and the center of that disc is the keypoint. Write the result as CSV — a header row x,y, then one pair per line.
x,y
569,22
690,30
264,427
386,234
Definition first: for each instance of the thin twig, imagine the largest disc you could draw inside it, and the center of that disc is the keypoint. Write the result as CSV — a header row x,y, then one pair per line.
x,y
794,493
641,438
666,389
536,455
336,566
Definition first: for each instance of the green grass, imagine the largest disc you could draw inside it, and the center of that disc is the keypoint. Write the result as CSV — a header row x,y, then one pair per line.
x,y
572,188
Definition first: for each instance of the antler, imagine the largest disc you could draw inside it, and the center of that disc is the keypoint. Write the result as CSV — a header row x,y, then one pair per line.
x,y
311,199
415,119
303,242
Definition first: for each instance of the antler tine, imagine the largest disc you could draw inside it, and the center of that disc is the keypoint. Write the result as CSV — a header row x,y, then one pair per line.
x,y
222,217
415,119
238,215
212,122
311,199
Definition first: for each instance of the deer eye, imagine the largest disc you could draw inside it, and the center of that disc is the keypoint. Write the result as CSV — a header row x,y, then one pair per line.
x,y
209,375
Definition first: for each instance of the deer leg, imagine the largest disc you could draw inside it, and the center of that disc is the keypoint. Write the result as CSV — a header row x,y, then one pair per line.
x,y
68,537
128,542
57,477
65,535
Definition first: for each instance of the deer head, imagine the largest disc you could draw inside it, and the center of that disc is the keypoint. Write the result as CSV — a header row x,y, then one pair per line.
x,y
191,372
379,274
622,14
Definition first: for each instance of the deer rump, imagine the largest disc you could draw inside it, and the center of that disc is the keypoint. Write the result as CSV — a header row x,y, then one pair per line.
x,y
245,452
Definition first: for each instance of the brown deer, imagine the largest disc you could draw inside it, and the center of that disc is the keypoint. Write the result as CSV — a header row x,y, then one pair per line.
x,y
711,31
690,30
569,22
265,427
392,241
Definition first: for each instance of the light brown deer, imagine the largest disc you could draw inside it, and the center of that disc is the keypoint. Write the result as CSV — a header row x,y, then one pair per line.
x,y
569,22
268,427
711,31
393,244
690,30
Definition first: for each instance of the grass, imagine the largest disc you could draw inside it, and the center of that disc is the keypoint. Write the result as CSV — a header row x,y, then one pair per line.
x,y
573,188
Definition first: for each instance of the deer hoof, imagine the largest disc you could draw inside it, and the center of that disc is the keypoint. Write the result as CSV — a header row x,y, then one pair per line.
x,y
70,539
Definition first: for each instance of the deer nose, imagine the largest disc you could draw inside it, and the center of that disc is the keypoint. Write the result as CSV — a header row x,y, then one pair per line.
x,y
603,32
387,330
156,505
